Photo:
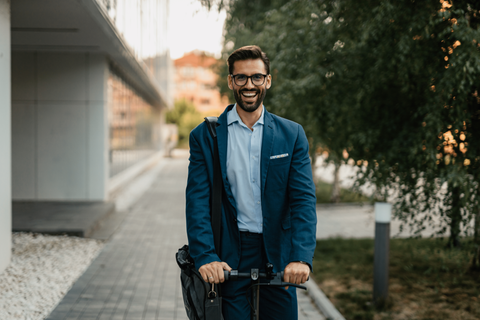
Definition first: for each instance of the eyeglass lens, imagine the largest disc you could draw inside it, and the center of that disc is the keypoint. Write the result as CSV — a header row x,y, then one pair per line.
x,y
241,79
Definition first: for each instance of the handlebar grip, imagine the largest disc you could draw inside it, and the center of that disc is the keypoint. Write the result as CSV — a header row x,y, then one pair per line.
x,y
234,275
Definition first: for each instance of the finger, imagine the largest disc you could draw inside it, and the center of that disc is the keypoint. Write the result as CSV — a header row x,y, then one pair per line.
x,y
292,277
303,279
203,273
286,288
220,278
209,275
215,274
296,279
286,275
300,278
226,266
211,278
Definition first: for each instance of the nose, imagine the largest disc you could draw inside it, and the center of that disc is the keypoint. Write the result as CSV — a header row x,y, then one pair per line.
x,y
249,84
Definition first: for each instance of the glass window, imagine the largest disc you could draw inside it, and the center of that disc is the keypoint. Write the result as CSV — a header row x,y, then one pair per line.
x,y
134,125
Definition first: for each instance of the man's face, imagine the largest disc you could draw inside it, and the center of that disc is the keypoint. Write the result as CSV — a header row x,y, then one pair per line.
x,y
249,96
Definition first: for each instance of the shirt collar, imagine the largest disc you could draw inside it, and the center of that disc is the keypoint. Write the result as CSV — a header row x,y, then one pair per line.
x,y
232,116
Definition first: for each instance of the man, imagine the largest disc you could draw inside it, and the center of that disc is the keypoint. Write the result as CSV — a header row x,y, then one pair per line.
x,y
268,203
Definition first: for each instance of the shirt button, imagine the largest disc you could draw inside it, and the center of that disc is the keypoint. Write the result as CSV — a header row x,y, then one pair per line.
x,y
258,202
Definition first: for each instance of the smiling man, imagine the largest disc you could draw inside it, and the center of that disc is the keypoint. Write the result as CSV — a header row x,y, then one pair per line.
x,y
268,205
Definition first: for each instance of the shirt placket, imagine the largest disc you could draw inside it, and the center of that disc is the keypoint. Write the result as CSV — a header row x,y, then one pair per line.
x,y
255,174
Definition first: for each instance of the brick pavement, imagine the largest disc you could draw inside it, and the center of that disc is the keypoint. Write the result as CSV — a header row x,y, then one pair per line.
x,y
135,277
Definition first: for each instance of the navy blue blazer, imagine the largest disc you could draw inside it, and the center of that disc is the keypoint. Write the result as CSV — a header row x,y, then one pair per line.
x,y
287,191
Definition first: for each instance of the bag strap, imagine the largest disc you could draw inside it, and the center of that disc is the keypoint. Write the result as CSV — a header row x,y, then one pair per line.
x,y
216,216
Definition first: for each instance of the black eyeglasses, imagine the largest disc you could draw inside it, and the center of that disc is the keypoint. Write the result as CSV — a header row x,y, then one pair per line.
x,y
257,79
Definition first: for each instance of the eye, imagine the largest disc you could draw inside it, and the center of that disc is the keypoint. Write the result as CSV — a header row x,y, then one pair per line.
x,y
241,77
257,77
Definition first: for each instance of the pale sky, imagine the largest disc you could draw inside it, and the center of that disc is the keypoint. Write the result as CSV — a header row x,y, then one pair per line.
x,y
192,27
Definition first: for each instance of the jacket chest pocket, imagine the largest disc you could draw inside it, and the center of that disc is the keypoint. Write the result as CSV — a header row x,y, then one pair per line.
x,y
280,161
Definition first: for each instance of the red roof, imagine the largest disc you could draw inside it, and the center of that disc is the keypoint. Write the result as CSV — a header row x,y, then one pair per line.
x,y
195,59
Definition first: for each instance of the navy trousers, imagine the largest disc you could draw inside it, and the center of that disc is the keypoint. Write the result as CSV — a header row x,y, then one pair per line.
x,y
276,303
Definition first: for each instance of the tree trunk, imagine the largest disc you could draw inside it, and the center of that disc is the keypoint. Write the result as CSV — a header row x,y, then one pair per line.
x,y
314,159
313,156
476,240
455,216
335,197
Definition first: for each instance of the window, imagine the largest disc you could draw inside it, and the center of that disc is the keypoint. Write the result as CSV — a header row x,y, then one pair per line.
x,y
188,71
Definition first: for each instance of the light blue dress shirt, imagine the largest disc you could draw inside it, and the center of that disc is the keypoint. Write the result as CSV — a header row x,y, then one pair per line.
x,y
243,170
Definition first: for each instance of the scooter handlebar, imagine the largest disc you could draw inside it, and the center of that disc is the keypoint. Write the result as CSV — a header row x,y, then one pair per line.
x,y
235,275
276,279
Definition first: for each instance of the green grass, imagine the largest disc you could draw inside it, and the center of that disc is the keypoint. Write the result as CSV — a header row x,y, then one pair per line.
x,y
324,191
427,279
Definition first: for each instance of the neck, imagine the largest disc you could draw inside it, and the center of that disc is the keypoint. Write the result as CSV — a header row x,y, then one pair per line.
x,y
250,118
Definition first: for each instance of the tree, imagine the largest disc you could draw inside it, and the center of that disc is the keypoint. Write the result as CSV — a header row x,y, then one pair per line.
x,y
406,83
186,117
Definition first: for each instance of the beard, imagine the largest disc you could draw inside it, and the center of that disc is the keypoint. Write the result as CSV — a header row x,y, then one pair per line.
x,y
250,106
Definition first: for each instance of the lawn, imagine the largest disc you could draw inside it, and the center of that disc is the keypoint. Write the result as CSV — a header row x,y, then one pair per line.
x,y
324,191
427,279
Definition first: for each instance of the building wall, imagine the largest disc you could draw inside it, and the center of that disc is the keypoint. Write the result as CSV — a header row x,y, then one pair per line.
x,y
59,126
196,81
5,138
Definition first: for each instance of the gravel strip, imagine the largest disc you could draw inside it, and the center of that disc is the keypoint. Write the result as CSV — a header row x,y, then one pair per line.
x,y
42,270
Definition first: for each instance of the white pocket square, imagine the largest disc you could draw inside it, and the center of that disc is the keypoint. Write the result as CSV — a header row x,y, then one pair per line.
x,y
278,156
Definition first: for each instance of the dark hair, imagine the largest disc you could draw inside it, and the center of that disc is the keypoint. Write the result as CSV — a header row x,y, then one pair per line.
x,y
247,53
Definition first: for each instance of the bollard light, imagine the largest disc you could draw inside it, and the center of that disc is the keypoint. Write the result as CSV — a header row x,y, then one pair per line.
x,y
383,215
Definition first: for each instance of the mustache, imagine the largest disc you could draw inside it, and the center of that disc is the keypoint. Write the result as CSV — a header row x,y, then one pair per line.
x,y
248,90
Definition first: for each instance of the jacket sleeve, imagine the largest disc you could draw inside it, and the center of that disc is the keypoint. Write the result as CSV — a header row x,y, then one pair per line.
x,y
302,200
199,228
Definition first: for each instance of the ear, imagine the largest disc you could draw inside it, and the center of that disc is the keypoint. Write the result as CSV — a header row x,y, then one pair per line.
x,y
229,80
269,81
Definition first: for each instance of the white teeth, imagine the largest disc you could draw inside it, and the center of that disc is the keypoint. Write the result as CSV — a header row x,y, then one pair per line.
x,y
253,94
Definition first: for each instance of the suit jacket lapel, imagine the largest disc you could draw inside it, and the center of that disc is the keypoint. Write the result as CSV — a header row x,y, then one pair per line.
x,y
267,144
222,139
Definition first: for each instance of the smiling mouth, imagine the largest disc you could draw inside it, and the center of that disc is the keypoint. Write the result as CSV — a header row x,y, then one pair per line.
x,y
249,94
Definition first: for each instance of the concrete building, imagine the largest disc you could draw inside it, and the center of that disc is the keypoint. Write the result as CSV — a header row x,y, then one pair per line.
x,y
196,81
89,83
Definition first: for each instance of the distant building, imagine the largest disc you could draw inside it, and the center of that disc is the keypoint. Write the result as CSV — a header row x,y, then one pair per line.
x,y
84,86
196,81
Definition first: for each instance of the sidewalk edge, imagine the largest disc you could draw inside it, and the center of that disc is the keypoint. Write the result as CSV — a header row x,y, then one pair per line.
x,y
126,176
322,302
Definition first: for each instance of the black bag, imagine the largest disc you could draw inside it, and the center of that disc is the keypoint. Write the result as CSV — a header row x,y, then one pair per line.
x,y
201,300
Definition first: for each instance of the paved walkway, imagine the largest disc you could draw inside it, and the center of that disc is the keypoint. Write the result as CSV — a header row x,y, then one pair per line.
x,y
356,221
135,277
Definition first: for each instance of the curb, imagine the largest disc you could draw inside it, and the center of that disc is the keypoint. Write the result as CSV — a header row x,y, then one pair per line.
x,y
322,302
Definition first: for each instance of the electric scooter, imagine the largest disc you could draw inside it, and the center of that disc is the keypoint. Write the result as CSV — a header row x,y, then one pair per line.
x,y
275,280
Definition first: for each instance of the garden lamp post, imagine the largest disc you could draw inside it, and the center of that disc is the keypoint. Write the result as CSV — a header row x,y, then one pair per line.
x,y
383,213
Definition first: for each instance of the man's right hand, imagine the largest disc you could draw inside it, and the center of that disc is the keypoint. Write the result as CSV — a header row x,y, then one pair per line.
x,y
213,272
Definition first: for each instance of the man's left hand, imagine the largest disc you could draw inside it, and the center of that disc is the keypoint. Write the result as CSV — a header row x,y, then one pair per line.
x,y
296,272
